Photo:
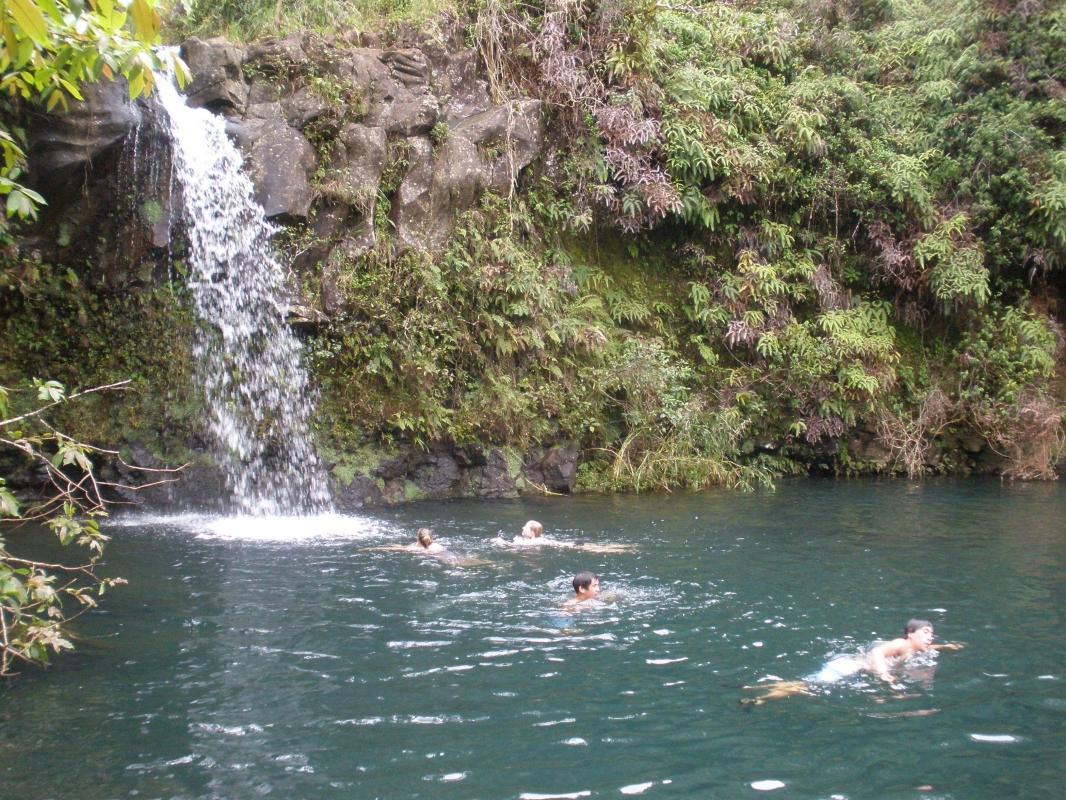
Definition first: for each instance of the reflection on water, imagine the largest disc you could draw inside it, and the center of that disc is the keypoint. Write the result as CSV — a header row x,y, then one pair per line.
x,y
288,657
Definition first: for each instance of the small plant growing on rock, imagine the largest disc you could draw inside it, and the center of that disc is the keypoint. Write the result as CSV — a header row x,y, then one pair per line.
x,y
438,134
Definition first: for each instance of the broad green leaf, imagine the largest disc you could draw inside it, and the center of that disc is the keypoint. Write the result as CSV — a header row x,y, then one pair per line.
x,y
29,18
145,21
9,504
51,9
136,84
181,72
51,391
54,99
10,40
18,204
72,90
24,52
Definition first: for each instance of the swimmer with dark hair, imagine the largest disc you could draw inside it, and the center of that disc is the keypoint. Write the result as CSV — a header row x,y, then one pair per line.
x,y
879,660
917,638
586,587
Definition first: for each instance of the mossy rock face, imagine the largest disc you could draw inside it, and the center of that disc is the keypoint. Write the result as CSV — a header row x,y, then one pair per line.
x,y
457,290
412,491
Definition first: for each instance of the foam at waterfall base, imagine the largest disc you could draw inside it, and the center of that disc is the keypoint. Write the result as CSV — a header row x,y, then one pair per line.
x,y
268,529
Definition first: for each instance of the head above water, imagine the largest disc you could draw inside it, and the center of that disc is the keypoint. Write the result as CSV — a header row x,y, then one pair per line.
x,y
586,583
919,633
915,625
425,537
532,529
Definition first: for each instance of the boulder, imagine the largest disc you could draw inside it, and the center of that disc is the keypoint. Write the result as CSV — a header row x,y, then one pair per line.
x,y
494,479
277,57
278,160
217,75
485,151
356,164
73,138
303,108
555,470
362,491
396,85
508,138
866,446
437,476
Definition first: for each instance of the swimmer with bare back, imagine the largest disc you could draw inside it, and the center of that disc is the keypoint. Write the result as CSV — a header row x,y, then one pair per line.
x,y
423,544
879,660
532,535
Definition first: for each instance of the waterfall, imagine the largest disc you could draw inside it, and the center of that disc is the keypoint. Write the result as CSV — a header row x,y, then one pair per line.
x,y
256,391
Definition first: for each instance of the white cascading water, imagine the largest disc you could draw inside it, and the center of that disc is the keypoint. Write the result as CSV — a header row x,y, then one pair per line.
x,y
257,395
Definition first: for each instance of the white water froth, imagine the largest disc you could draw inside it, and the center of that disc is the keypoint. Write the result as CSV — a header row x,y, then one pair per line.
x,y
256,390
636,788
767,785
312,528
994,738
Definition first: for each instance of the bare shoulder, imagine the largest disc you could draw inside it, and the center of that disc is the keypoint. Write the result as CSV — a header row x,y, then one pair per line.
x,y
893,647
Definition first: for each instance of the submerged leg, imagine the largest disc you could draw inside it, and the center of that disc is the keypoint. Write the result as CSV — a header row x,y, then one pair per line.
x,y
775,691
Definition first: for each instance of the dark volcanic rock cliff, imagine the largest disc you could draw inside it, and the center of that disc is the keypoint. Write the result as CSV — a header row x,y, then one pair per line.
x,y
326,129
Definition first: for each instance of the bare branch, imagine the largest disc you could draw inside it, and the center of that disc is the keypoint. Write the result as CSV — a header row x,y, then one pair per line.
x,y
36,413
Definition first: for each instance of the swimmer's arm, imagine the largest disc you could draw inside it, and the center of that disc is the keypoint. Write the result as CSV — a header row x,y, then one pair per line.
x,y
877,659
603,548
388,548
948,646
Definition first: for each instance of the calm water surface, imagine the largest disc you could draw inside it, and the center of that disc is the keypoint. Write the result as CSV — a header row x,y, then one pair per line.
x,y
285,659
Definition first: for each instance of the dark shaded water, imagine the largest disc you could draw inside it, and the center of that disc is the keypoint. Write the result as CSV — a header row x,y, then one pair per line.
x,y
240,665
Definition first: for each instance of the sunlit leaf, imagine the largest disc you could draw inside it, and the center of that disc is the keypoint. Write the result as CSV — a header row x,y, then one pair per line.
x,y
145,21
29,18
9,504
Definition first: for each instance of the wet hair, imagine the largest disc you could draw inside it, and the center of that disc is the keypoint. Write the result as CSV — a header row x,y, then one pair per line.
x,y
583,580
915,625
533,527
425,537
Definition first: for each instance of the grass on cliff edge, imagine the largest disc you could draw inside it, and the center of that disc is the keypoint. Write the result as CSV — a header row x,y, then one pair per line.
x,y
247,20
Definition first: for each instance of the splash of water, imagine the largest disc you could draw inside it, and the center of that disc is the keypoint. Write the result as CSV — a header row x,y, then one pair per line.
x,y
257,395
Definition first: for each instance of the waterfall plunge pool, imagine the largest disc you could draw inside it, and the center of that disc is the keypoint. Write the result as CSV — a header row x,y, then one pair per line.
x,y
282,658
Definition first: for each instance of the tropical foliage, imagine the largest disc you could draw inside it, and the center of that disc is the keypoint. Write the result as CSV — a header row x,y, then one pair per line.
x,y
49,49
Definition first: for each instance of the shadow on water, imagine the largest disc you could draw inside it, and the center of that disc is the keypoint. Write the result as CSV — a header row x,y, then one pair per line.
x,y
283,657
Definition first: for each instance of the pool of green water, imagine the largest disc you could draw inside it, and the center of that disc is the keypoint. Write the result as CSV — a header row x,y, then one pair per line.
x,y
283,658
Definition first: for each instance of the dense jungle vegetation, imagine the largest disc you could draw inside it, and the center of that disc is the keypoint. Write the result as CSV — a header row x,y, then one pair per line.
x,y
763,228
767,238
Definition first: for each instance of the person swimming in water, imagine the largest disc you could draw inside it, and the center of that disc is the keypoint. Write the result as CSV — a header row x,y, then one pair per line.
x,y
423,544
917,638
532,535
586,587
879,661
